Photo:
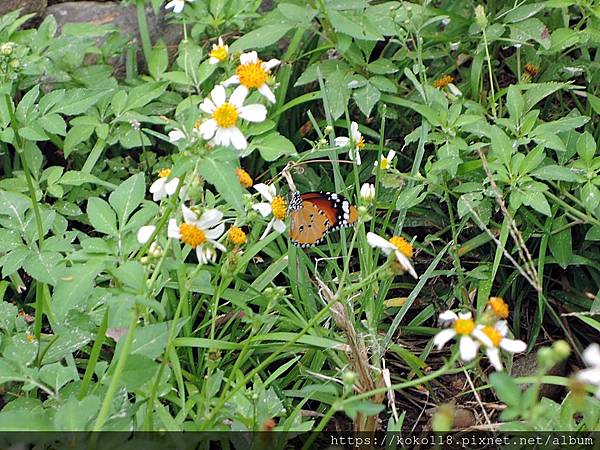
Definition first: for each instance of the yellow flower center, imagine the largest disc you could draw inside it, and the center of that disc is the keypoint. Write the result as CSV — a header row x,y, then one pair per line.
x,y
443,82
252,75
531,70
464,326
384,163
192,235
494,335
225,115
279,207
361,143
402,245
244,177
164,173
220,52
498,307
30,337
236,236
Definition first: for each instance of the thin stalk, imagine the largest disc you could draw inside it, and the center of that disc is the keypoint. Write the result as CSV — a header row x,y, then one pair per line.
x,y
143,29
94,355
490,75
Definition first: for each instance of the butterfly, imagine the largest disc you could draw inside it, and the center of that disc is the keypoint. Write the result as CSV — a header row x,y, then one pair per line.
x,y
313,215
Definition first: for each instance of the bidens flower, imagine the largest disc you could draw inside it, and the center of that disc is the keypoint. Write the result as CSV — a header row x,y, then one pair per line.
x,y
176,135
145,233
219,52
177,5
493,338
162,188
591,356
200,233
244,177
224,115
358,143
275,204
463,326
386,161
401,248
252,73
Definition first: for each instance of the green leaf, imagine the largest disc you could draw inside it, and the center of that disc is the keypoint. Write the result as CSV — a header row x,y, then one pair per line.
x,y
142,95
273,146
355,24
382,66
366,98
365,407
158,61
554,172
593,234
506,389
515,102
76,135
14,204
138,371
53,123
560,125
560,241
338,93
101,216
523,12
586,147
261,37
74,287
56,375
222,175
531,29
590,196
299,14
131,273
23,420
537,200
502,146
78,101
75,415
43,266
410,197
128,196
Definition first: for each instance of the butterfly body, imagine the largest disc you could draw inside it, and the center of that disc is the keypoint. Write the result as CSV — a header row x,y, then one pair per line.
x,y
313,215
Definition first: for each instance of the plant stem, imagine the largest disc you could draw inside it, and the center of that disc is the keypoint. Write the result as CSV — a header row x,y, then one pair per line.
x,y
143,29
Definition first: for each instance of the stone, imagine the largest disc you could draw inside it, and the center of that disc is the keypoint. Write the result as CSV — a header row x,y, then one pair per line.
x,y
27,6
122,17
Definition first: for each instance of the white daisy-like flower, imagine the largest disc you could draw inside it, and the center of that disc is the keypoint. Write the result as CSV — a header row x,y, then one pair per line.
x,y
219,52
463,326
591,375
275,205
386,161
162,188
176,135
177,5
221,127
493,338
357,142
145,233
252,73
200,233
401,247
367,192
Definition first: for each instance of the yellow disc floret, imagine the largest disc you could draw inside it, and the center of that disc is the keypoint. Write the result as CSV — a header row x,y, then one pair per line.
x,y
225,115
498,307
244,177
494,335
220,52
236,236
252,75
164,173
402,245
361,143
464,326
192,235
443,82
279,207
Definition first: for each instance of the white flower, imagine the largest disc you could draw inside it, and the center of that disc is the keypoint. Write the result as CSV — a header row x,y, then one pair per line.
x,y
454,90
463,326
144,233
177,5
252,73
219,52
494,339
162,188
358,142
221,127
401,248
367,192
591,356
275,205
200,233
176,135
386,161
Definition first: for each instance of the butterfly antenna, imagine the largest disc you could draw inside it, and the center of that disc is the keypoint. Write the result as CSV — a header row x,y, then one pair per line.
x,y
288,177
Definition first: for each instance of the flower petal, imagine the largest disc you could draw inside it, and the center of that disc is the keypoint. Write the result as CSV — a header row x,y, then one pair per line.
x,y
377,241
208,106
268,65
144,233
591,376
493,355
223,136
266,92
263,208
250,57
267,230
238,96
237,138
482,337
171,186
591,355
279,225
253,113
173,229
440,339
447,316
213,60
158,185
176,135
267,191
467,348
231,81
218,95
208,128
390,156
465,315
341,141
209,219
216,232
405,263
189,216
513,345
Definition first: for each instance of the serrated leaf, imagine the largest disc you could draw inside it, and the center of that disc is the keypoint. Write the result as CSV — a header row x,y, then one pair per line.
x,y
43,266
531,29
366,98
101,216
128,196
73,288
78,101
273,146
555,173
261,37
222,175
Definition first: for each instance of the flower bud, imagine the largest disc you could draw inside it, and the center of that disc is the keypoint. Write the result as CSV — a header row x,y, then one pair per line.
x,y
367,192
480,17
7,48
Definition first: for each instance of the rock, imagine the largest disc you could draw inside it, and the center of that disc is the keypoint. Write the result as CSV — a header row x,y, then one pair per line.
x,y
526,365
122,17
28,6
